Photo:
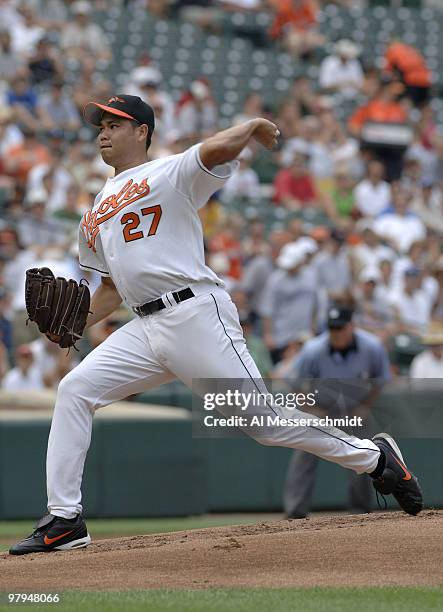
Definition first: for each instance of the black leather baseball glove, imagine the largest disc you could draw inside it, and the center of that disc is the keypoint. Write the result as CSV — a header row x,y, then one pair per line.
x,y
60,307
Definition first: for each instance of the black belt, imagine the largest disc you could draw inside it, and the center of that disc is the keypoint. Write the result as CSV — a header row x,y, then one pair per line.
x,y
156,305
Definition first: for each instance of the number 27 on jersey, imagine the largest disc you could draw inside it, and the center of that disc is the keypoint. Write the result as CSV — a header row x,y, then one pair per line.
x,y
131,222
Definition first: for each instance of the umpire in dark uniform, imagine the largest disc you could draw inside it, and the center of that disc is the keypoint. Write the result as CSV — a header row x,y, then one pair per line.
x,y
358,362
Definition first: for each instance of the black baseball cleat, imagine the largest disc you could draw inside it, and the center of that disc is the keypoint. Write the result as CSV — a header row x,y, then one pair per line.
x,y
54,533
396,478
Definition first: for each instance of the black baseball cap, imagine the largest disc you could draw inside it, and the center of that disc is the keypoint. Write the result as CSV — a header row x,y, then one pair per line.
x,y
121,105
339,316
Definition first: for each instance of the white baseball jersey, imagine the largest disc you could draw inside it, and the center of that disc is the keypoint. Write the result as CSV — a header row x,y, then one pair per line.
x,y
144,230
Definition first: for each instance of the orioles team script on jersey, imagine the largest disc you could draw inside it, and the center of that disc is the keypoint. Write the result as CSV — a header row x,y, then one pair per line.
x,y
113,204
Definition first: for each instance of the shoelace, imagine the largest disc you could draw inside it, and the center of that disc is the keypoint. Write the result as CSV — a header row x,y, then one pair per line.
x,y
377,494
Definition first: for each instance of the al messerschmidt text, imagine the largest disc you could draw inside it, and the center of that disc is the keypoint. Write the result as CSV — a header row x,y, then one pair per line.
x,y
277,421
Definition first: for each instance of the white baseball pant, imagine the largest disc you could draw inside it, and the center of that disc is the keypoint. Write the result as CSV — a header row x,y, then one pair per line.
x,y
198,338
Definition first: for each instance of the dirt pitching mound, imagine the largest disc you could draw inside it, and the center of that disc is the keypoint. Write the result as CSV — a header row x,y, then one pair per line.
x,y
364,550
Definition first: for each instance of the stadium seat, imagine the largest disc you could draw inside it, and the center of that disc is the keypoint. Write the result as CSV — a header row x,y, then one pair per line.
x,y
265,167
402,350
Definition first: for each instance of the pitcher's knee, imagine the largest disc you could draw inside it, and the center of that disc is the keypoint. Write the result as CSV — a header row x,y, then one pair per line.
x,y
67,384
73,386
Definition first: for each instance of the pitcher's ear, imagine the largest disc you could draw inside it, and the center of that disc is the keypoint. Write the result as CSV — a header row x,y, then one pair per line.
x,y
143,131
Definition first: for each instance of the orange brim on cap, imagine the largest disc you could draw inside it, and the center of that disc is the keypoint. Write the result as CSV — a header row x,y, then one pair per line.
x,y
93,116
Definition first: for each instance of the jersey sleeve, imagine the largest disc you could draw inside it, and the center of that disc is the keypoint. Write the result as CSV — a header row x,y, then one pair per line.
x,y
89,259
189,176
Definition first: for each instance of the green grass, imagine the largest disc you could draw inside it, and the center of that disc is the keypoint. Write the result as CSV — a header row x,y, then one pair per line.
x,y
387,599
10,530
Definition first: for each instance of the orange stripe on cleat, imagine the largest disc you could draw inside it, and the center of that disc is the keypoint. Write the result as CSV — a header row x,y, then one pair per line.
x,y
408,475
51,540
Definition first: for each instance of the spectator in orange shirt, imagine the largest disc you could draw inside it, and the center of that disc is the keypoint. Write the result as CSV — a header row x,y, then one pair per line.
x,y
408,64
385,107
23,157
294,187
295,24
228,241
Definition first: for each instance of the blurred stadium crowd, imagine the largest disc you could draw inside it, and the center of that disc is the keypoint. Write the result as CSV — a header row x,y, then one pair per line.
x,y
349,208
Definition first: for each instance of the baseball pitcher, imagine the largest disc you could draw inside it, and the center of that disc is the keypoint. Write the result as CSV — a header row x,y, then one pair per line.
x,y
144,237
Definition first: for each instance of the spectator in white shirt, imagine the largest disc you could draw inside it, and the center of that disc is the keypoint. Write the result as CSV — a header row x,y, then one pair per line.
x,y
385,285
52,178
11,61
81,37
345,153
426,158
312,142
244,182
342,72
10,134
412,304
428,205
25,376
416,257
413,258
400,226
374,313
429,363
369,251
290,301
196,112
373,195
26,33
